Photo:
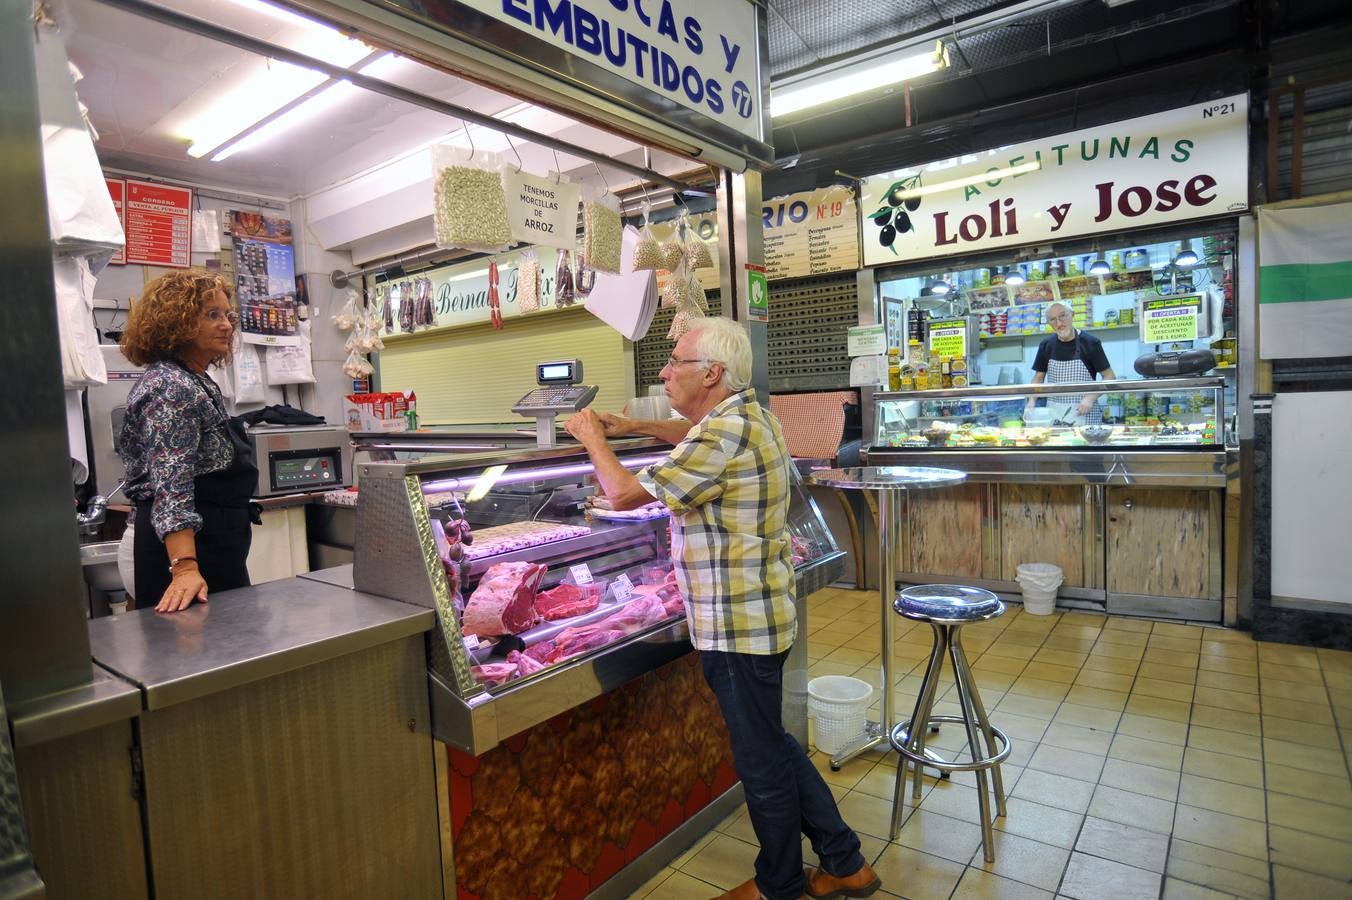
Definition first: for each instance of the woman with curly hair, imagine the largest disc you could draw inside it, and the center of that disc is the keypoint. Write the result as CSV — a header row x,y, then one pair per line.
x,y
190,467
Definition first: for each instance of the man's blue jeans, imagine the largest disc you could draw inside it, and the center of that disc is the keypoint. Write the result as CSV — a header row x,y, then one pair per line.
x,y
785,794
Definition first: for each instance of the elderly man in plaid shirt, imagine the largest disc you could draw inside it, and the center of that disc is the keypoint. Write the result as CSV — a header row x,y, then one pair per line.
x,y
727,485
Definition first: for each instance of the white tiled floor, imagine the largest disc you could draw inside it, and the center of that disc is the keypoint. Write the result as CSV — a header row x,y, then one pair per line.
x,y
1150,760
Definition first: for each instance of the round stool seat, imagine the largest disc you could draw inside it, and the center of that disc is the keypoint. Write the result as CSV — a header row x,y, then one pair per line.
x,y
948,603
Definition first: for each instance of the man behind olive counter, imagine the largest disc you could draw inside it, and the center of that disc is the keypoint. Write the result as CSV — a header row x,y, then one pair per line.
x,y
727,485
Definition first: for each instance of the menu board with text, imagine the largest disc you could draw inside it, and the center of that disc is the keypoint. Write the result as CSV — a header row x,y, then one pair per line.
x,y
158,222
811,233
117,189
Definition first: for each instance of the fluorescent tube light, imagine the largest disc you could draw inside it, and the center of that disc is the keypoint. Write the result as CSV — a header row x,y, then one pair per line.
x,y
826,89
955,183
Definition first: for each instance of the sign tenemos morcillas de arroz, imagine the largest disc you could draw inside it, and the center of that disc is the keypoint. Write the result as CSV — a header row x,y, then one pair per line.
x,y
1176,165
701,54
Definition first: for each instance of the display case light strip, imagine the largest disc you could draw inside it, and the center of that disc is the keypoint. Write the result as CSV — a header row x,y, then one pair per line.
x,y
518,476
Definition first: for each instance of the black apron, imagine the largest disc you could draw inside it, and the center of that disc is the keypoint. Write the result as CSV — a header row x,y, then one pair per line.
x,y
222,500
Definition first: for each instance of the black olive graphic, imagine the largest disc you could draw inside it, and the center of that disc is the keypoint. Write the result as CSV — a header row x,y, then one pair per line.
x,y
888,235
882,217
894,197
913,203
903,222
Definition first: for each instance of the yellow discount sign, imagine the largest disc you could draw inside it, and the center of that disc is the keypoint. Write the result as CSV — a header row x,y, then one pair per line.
x,y
1171,319
948,338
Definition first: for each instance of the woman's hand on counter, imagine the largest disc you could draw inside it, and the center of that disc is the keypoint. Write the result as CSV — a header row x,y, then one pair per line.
x,y
186,586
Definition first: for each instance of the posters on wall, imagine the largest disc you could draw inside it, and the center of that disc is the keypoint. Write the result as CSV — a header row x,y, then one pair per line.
x,y
265,279
117,189
1173,166
157,219
811,233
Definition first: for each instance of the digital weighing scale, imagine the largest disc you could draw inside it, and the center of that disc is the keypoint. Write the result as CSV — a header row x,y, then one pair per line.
x,y
560,391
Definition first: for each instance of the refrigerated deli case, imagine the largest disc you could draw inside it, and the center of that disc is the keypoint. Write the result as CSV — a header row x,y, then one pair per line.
x,y
1127,501
573,746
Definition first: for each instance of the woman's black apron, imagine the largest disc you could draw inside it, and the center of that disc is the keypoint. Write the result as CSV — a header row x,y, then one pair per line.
x,y
222,500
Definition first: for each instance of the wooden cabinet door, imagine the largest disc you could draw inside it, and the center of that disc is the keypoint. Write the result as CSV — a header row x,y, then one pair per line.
x,y
1159,542
943,531
1042,523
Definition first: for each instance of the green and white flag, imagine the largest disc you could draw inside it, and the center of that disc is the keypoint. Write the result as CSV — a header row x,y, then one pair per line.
x,y
1305,281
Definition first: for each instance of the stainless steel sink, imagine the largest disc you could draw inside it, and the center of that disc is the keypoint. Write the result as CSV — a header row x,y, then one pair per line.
x,y
98,562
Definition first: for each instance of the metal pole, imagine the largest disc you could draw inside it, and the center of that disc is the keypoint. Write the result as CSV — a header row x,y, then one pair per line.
x,y
889,514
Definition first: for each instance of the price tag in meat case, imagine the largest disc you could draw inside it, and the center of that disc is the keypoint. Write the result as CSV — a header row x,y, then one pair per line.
x,y
157,219
623,588
117,189
581,574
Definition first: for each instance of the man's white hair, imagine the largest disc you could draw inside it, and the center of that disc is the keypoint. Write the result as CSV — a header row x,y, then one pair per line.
x,y
721,340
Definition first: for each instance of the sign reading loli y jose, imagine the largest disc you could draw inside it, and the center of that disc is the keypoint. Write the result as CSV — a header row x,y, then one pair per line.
x,y
701,54
1180,164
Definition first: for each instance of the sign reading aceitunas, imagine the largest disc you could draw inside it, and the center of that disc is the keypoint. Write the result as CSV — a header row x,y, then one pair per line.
x,y
1176,165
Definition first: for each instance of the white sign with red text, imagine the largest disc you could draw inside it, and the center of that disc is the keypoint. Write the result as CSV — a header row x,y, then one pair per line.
x,y
1176,165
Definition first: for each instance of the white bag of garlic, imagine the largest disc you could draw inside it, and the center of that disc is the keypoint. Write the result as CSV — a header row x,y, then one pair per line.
x,y
469,206
602,230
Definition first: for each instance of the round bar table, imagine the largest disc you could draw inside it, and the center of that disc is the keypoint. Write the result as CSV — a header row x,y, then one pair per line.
x,y
888,482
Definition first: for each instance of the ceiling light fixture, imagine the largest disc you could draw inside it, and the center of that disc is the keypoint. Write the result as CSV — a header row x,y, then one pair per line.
x,y
855,79
1187,257
1100,265
938,287
1015,276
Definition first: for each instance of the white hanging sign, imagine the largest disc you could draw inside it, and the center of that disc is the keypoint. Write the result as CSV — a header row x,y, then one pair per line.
x,y
1176,165
542,211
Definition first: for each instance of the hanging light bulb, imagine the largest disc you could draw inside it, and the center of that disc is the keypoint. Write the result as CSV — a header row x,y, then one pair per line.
x,y
1187,257
938,287
1014,276
1099,266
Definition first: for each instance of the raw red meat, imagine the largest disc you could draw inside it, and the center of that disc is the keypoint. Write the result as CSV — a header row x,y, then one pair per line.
x,y
635,614
581,643
494,673
565,601
504,601
667,593
540,652
525,665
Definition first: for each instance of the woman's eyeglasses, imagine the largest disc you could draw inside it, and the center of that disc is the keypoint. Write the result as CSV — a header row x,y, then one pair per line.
x,y
216,315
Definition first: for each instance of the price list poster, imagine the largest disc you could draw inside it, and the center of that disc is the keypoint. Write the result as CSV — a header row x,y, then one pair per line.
x,y
811,233
117,189
158,222
265,279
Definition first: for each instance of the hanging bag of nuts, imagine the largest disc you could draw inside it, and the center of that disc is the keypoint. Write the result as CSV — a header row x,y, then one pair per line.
x,y
469,205
602,230
647,252
528,282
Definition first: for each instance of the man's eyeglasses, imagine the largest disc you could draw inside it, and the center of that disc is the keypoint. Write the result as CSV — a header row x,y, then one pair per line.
x,y
1061,317
215,315
674,362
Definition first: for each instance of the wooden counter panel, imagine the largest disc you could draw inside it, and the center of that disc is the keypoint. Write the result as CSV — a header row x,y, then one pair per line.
x,y
1159,542
1042,523
944,531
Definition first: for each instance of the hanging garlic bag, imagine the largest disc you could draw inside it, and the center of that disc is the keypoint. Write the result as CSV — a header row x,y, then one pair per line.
x,y
469,203
697,252
674,293
347,316
528,282
647,252
602,230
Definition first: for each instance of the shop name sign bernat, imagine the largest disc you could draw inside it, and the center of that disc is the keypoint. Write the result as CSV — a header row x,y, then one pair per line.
x,y
1181,164
701,54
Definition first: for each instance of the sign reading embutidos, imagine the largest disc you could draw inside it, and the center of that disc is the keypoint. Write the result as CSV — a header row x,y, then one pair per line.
x,y
1180,164
700,53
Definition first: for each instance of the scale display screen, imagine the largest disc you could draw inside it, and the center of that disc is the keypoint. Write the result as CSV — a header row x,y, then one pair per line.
x,y
299,470
564,371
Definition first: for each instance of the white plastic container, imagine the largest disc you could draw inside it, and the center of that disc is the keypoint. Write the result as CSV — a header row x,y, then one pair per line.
x,y
838,705
1040,582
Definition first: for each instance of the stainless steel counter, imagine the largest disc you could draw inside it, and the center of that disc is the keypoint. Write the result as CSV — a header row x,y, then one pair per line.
x,y
104,700
246,635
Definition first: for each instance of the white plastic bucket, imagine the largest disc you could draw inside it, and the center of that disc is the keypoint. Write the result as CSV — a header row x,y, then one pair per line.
x,y
838,705
1040,582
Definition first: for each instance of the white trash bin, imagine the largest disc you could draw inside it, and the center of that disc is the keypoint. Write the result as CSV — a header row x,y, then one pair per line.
x,y
1040,582
838,705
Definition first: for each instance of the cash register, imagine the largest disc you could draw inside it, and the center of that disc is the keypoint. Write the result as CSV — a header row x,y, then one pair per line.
x,y
560,390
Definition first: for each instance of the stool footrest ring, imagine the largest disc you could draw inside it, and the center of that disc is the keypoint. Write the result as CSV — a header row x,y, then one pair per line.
x,y
901,734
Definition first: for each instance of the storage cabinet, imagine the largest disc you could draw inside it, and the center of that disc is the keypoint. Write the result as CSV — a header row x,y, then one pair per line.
x,y
1159,542
1043,523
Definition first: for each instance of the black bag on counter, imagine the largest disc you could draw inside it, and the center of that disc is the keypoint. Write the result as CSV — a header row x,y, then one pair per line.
x,y
281,415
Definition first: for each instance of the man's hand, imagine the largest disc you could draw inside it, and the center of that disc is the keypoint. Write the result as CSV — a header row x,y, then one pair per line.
x,y
615,426
1086,404
587,427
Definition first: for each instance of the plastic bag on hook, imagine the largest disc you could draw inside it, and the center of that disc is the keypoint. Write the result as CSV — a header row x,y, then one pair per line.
x,y
648,252
602,230
469,205
528,282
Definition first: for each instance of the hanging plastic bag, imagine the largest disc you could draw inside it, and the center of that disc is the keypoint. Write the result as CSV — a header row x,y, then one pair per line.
x,y
206,230
674,293
602,230
406,304
647,252
347,315
586,277
564,295
528,282
291,365
81,360
673,254
357,366
697,252
249,386
469,203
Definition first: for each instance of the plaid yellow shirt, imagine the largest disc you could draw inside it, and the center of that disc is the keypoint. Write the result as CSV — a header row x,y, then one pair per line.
x,y
727,486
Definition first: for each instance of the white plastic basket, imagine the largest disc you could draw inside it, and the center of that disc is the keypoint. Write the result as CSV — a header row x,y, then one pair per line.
x,y
1040,582
838,705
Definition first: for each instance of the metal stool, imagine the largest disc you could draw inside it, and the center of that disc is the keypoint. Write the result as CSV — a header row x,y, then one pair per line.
x,y
947,607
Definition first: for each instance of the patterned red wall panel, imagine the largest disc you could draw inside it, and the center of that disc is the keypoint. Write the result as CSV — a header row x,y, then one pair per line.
x,y
556,810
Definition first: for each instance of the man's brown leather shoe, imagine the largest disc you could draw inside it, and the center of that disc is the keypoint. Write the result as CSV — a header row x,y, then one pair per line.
x,y
747,890
828,887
